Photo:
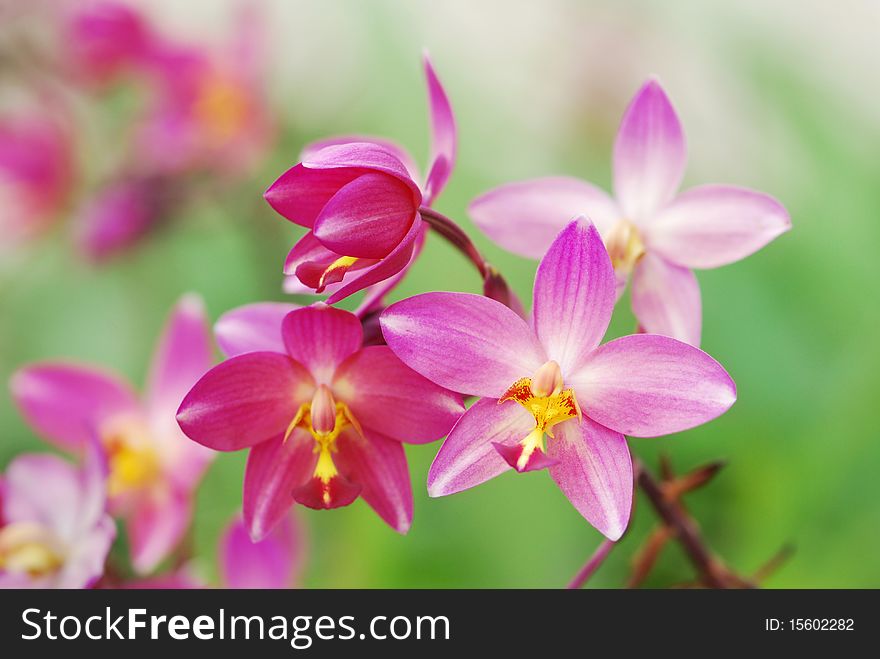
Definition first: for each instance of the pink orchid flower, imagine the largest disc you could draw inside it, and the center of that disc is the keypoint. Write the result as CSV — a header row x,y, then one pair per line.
x,y
553,378
154,469
360,200
36,173
272,563
54,531
104,39
650,233
323,417
122,214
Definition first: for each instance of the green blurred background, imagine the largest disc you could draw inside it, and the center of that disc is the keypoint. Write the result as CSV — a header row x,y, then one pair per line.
x,y
781,96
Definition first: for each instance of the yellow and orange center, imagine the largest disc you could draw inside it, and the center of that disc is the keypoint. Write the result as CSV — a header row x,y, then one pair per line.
x,y
221,107
543,396
625,246
31,548
132,459
324,418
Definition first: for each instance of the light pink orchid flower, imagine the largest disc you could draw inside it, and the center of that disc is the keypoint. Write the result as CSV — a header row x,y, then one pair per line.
x,y
323,417
553,378
272,563
153,468
650,233
54,530
360,199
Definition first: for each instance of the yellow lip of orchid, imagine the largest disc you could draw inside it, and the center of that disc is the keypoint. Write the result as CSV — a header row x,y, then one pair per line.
x,y
545,399
324,418
335,272
28,547
133,461
625,246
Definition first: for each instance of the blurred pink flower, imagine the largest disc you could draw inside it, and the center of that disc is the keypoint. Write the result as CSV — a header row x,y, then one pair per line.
x,y
36,172
650,232
54,531
104,39
153,468
271,563
553,378
121,214
360,199
323,417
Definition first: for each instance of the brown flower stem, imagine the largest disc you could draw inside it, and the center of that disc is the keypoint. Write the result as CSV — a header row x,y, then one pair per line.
x,y
592,564
711,572
494,284
775,562
646,559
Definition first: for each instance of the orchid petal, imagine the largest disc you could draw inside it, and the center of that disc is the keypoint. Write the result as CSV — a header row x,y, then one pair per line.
x,y
367,217
363,156
649,153
468,457
182,357
300,194
463,342
666,299
156,524
378,464
575,291
525,217
387,396
309,150
274,469
594,470
321,338
252,328
271,563
245,400
647,385
713,225
67,403
443,136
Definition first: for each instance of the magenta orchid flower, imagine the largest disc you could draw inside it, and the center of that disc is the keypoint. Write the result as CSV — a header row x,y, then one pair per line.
x,y
36,173
323,417
54,530
272,563
153,468
650,233
553,378
360,200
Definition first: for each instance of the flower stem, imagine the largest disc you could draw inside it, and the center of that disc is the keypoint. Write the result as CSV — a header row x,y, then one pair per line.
x,y
494,284
592,564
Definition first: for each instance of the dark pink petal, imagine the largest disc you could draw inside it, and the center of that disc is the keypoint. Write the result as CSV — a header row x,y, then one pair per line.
x,y
319,494
182,356
274,469
575,291
378,464
594,470
399,258
366,218
526,217
387,396
649,154
443,136
245,400
68,404
468,457
666,299
317,267
271,563
156,524
300,194
309,150
321,338
252,328
648,385
713,225
536,461
363,156
462,342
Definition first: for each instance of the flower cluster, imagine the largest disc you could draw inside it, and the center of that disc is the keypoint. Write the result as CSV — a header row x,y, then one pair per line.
x,y
325,399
